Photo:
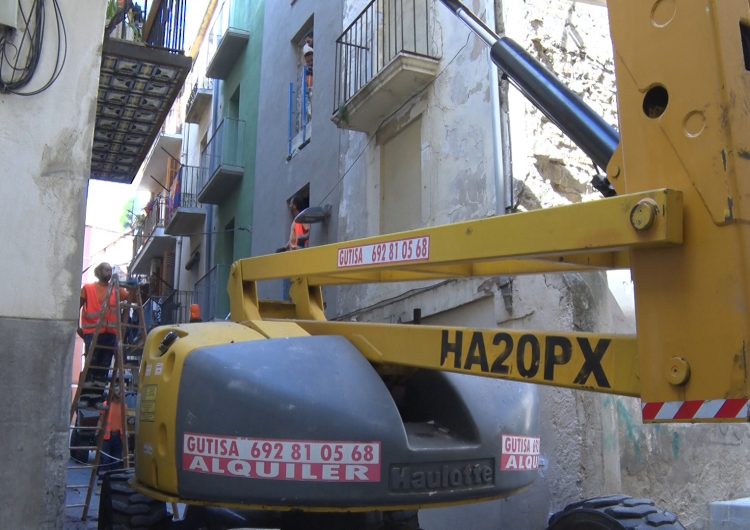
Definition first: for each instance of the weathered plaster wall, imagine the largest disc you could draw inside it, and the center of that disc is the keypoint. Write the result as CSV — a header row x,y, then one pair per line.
x,y
572,39
45,150
455,149
278,178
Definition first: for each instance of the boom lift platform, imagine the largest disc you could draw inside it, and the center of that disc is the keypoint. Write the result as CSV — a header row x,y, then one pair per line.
x,y
314,414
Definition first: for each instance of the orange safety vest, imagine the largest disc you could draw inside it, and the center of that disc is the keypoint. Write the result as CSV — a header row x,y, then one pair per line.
x,y
301,233
114,421
92,309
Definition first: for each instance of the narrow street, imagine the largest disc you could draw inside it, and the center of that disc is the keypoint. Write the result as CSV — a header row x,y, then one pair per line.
x,y
78,496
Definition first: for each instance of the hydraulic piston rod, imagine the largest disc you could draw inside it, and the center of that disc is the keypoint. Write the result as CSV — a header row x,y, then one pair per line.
x,y
565,109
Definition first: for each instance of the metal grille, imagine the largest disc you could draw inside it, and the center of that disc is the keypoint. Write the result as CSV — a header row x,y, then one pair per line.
x,y
168,31
383,30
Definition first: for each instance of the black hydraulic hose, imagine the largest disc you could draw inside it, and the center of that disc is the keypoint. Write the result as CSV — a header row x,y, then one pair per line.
x,y
564,108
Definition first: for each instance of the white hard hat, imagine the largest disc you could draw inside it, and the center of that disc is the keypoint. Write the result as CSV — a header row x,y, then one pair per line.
x,y
306,49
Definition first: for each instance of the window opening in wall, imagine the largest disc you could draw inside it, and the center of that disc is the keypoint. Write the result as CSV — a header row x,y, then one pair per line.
x,y
300,94
401,180
299,233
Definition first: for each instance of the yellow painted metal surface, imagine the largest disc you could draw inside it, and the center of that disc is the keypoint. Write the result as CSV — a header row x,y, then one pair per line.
x,y
535,241
160,375
590,236
692,300
585,361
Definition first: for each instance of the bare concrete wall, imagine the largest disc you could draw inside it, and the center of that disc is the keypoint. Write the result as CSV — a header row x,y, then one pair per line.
x,y
45,149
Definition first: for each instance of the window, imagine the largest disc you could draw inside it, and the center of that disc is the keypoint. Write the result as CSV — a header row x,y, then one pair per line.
x,y
301,91
299,234
401,180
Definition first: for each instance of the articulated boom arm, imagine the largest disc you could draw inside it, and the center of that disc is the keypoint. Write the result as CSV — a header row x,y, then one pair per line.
x,y
681,223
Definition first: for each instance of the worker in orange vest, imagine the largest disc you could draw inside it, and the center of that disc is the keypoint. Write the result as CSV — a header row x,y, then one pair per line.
x,y
299,233
111,457
195,313
92,301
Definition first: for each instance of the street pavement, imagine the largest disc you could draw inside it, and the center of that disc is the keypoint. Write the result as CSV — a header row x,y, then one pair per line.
x,y
80,477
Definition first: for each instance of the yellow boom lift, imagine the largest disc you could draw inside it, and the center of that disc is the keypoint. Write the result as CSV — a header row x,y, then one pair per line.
x,y
320,424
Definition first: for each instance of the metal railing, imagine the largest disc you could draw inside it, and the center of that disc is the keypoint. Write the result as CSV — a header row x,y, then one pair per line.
x,y
175,309
152,311
155,217
168,29
219,27
224,148
184,192
202,83
383,30
206,290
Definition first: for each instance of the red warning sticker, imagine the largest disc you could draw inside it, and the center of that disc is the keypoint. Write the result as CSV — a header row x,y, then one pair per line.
x,y
324,461
519,453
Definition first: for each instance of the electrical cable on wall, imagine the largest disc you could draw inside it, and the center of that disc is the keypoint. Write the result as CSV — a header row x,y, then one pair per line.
x,y
21,50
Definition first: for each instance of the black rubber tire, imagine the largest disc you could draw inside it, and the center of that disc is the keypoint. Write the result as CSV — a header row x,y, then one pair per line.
x,y
614,512
123,508
403,520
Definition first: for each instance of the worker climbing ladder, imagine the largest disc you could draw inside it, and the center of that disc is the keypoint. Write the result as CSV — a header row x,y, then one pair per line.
x,y
110,368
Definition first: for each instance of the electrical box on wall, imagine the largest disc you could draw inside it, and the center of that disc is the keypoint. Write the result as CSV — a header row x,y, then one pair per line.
x,y
9,13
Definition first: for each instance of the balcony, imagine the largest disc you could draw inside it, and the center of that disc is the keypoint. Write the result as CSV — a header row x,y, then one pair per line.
x,y
140,75
210,293
175,308
149,239
199,100
226,42
185,215
222,162
383,58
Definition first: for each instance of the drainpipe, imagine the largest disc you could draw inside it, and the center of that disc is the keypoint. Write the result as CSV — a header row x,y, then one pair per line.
x,y
507,153
499,148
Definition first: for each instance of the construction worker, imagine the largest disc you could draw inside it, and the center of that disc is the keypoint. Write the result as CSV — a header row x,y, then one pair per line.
x,y
299,233
195,313
111,457
92,301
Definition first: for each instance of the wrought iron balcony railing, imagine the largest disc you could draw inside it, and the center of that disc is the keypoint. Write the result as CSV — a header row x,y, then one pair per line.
x,y
166,25
222,161
383,30
155,217
207,289
184,192
200,97
225,43
185,215
175,309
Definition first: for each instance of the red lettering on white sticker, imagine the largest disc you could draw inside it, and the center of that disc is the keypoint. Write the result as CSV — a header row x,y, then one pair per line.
x,y
402,250
519,453
282,459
